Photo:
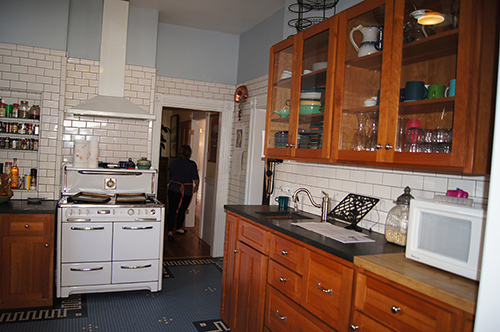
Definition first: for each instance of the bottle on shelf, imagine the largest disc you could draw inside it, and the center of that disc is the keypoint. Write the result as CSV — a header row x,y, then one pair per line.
x,y
24,110
33,178
8,167
15,175
15,110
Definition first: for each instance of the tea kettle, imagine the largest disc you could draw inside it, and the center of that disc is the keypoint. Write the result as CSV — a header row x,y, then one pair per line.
x,y
372,39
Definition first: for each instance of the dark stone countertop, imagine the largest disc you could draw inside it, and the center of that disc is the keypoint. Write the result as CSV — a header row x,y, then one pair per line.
x,y
22,206
344,251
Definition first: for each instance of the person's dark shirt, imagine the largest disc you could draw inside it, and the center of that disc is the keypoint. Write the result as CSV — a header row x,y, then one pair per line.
x,y
183,171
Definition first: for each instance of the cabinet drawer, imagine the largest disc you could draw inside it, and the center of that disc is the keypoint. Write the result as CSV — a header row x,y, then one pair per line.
x,y
284,280
400,309
27,224
287,253
254,236
363,323
284,315
86,242
98,273
135,271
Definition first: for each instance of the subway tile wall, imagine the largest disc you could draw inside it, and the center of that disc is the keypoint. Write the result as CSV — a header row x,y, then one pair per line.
x,y
190,88
385,184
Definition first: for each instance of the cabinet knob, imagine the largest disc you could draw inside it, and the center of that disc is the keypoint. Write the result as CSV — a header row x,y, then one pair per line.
x,y
353,327
46,245
282,279
236,251
388,146
379,146
277,313
395,309
290,145
284,252
26,226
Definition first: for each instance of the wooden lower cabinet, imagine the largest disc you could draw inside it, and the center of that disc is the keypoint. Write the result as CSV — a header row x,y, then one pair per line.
x,y
382,305
27,260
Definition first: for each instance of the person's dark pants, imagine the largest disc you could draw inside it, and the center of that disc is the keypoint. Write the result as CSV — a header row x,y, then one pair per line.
x,y
174,217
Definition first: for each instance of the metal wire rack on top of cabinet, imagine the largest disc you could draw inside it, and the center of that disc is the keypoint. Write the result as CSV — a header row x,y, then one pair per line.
x,y
305,6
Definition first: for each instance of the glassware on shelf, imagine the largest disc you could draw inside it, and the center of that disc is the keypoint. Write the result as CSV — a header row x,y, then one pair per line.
x,y
400,142
359,140
372,136
414,31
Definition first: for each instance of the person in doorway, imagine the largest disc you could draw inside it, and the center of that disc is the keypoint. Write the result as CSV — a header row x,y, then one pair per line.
x,y
184,182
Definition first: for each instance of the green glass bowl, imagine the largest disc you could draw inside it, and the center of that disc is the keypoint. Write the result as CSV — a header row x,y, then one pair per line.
x,y
4,199
309,109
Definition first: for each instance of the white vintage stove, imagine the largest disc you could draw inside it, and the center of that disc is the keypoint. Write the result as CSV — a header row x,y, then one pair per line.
x,y
109,231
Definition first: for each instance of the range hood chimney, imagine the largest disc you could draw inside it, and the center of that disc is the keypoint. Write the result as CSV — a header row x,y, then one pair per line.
x,y
110,101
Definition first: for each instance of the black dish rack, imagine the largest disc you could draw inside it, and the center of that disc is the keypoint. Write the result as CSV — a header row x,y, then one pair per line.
x,y
352,209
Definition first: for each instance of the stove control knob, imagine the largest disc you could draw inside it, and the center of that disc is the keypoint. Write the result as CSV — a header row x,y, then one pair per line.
x,y
153,212
130,212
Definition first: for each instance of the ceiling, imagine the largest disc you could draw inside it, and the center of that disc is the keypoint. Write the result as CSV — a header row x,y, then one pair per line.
x,y
228,16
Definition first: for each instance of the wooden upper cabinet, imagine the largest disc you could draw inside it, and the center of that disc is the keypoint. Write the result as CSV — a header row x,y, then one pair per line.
x,y
300,95
374,49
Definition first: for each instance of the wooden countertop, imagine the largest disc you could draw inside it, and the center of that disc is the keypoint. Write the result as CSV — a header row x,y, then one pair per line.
x,y
446,287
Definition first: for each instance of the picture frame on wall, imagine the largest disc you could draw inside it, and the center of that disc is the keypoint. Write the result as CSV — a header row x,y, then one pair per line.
x,y
214,138
174,135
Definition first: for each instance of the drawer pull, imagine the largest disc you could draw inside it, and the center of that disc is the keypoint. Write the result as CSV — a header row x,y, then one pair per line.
x,y
134,228
282,279
284,252
395,309
26,226
136,266
86,269
87,228
277,313
328,291
353,327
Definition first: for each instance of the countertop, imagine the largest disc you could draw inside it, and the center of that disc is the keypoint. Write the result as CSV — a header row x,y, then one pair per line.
x,y
22,206
344,251
444,286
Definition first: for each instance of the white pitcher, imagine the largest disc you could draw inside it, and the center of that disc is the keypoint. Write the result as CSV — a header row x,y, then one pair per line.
x,y
372,39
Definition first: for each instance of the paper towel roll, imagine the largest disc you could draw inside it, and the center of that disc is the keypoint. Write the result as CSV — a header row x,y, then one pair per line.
x,y
81,154
93,154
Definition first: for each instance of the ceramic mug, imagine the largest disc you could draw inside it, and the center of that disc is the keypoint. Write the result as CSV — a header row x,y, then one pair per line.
x,y
450,91
415,90
435,91
282,201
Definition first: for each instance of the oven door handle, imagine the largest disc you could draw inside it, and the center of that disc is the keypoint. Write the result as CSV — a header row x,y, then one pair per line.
x,y
135,266
78,219
110,173
146,219
87,228
86,269
134,228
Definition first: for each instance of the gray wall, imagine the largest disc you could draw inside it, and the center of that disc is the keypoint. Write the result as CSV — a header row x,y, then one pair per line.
x,y
84,31
142,36
197,54
34,23
253,60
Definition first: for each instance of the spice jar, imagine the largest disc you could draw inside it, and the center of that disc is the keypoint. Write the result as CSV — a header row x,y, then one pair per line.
x,y
396,225
35,112
24,110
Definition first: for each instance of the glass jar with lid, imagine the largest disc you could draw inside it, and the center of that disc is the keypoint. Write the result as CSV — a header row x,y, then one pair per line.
x,y
396,226
24,110
35,112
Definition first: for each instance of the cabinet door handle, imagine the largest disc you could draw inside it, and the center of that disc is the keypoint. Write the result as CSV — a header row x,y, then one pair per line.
x,y
324,290
87,228
277,313
86,269
135,266
134,228
284,252
46,245
290,145
395,309
388,146
353,327
236,251
26,226
379,146
282,279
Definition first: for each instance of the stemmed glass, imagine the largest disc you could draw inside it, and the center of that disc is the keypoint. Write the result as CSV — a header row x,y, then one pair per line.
x,y
359,140
372,136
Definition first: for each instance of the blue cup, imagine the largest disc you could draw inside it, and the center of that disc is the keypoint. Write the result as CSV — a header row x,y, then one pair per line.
x,y
415,90
450,91
282,201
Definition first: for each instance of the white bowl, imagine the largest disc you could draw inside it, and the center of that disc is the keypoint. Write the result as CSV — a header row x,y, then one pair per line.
x,y
319,65
310,95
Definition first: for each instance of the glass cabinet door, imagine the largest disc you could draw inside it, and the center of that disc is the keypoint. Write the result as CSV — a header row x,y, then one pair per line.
x,y
316,91
281,75
427,111
362,81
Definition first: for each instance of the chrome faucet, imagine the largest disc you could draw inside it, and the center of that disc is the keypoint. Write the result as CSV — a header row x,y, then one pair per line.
x,y
325,205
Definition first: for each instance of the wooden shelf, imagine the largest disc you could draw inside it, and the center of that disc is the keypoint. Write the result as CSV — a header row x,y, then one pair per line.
x,y
427,106
433,47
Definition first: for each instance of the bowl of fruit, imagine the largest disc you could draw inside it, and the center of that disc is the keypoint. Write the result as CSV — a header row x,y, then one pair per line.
x,y
5,195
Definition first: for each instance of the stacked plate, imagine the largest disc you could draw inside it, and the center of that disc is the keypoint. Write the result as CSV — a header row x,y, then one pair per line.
x,y
303,139
316,136
281,139
310,101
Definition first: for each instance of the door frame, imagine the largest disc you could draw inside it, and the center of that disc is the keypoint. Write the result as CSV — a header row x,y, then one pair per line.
x,y
226,110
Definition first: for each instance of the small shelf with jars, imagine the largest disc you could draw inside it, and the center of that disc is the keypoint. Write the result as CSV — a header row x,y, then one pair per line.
x,y
19,126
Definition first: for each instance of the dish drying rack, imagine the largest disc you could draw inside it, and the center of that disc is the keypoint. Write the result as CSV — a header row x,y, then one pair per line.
x,y
352,209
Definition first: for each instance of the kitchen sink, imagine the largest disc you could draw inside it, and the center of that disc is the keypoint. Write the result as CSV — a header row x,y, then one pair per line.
x,y
282,215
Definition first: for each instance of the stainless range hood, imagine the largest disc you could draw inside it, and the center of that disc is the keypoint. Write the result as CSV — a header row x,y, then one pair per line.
x,y
110,101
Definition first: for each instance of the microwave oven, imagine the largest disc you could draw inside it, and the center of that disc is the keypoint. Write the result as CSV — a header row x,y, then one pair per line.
x,y
446,236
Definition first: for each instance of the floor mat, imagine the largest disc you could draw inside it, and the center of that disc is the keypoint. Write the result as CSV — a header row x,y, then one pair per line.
x,y
71,307
211,326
